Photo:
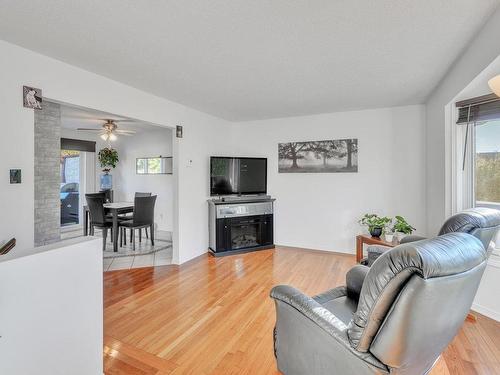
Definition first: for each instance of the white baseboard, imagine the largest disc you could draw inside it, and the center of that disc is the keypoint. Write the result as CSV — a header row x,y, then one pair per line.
x,y
486,312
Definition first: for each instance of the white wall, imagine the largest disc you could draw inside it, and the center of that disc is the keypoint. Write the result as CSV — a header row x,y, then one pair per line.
x,y
51,316
482,50
320,211
148,143
68,84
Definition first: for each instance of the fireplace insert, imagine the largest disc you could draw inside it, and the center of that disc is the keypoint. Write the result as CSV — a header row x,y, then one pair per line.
x,y
238,228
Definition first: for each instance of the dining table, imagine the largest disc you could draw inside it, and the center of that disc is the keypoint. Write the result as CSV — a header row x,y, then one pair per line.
x,y
114,210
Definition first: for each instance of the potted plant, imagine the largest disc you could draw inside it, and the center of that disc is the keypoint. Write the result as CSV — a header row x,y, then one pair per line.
x,y
401,227
108,158
375,223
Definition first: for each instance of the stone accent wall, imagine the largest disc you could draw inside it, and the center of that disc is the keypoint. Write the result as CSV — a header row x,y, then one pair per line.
x,y
47,174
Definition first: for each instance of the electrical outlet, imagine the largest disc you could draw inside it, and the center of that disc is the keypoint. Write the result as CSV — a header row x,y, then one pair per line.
x,y
189,163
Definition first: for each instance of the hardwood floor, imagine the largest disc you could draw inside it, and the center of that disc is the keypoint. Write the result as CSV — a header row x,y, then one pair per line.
x,y
214,316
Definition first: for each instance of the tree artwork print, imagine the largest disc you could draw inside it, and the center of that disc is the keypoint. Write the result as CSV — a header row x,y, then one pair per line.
x,y
331,156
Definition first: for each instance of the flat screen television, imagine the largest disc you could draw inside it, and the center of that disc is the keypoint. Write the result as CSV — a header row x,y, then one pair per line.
x,y
231,176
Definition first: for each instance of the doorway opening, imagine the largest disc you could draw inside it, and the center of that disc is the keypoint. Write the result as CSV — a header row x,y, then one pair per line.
x,y
72,167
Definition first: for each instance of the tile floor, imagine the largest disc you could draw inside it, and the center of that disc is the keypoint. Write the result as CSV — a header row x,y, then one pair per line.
x,y
159,258
145,255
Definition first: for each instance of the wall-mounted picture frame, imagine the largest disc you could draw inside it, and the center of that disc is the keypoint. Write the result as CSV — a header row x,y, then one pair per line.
x,y
15,176
330,156
154,165
32,97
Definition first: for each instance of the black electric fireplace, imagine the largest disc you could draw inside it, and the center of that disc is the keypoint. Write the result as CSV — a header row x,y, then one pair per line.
x,y
244,232
239,227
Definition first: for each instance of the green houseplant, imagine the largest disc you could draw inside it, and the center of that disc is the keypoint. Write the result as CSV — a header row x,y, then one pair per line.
x,y
375,223
401,226
108,159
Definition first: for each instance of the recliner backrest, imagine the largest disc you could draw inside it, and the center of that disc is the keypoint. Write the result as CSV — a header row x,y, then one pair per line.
x,y
442,274
481,222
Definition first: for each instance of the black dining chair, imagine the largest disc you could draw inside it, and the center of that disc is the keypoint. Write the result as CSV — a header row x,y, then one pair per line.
x,y
128,217
98,217
92,195
144,213
139,194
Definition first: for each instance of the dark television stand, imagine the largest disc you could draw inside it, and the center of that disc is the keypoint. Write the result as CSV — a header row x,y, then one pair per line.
x,y
239,224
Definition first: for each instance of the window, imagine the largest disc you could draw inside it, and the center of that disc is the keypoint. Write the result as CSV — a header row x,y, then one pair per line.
x,y
158,165
487,164
478,155
70,187
487,167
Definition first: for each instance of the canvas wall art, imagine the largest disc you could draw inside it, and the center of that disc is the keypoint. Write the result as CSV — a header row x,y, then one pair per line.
x,y
332,156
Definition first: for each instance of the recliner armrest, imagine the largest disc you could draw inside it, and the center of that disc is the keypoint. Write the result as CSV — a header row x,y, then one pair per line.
x,y
311,309
293,309
354,280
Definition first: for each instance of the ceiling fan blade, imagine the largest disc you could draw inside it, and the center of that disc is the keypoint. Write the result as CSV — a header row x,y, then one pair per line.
x,y
125,131
125,120
89,130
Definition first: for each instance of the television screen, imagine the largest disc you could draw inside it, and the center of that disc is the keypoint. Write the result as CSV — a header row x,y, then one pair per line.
x,y
238,175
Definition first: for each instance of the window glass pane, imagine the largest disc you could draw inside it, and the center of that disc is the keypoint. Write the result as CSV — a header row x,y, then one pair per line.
x,y
69,187
141,166
154,165
487,164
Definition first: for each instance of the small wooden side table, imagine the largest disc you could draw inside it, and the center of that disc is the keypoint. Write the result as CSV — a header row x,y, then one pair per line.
x,y
369,240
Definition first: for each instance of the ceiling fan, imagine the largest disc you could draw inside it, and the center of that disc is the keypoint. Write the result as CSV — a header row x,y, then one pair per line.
x,y
109,130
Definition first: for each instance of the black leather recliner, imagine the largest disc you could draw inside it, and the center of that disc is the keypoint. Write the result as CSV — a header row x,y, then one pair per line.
x,y
393,318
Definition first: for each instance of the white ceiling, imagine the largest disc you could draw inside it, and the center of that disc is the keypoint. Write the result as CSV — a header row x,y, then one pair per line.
x,y
256,59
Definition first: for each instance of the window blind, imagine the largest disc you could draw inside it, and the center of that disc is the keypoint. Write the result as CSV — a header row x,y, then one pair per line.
x,y
478,109
77,145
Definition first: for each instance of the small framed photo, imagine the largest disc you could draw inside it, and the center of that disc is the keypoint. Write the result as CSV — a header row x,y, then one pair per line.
x,y
32,97
15,176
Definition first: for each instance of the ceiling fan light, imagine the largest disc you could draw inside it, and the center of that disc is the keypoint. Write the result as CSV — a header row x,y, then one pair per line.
x,y
104,137
494,84
112,137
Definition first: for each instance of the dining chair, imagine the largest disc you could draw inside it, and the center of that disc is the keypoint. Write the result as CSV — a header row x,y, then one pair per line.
x,y
144,213
92,195
98,218
128,217
139,194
